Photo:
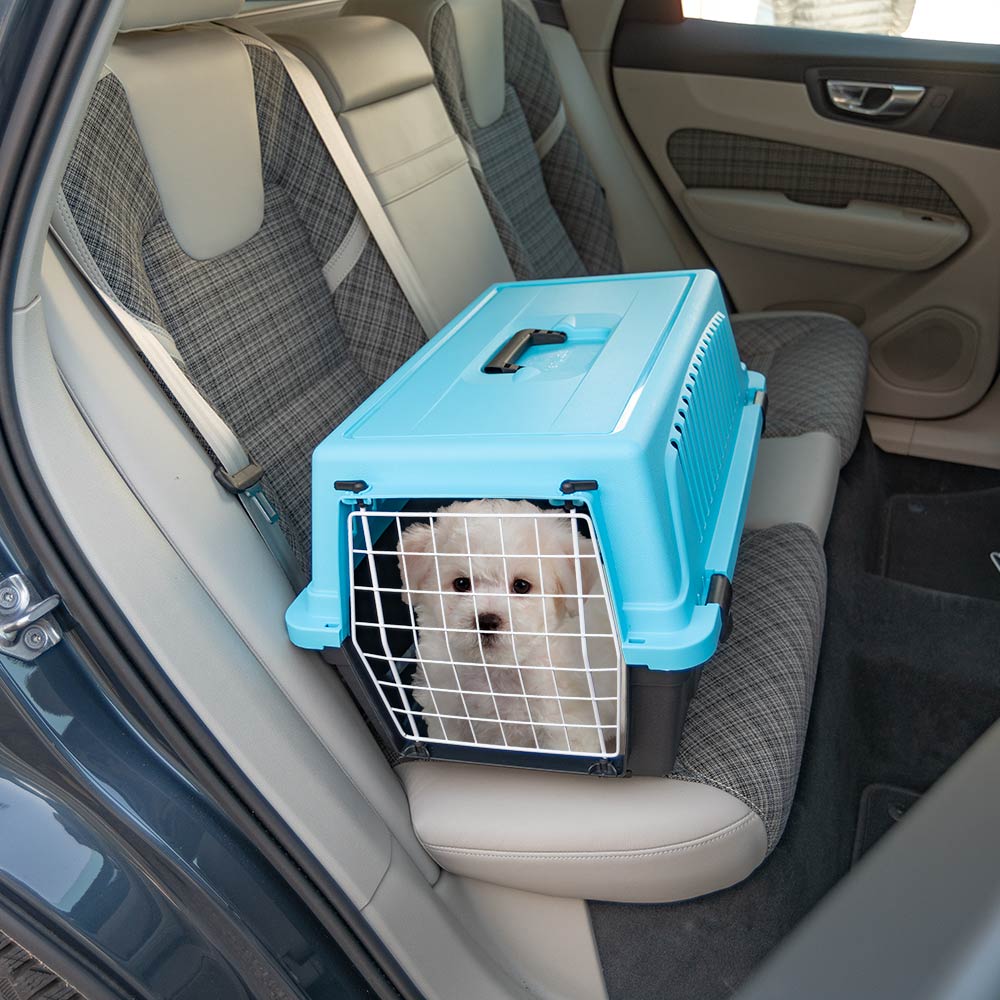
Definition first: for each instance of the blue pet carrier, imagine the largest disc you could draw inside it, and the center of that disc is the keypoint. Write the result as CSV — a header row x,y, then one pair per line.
x,y
523,541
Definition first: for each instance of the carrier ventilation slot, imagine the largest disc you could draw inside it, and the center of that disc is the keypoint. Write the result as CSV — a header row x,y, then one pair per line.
x,y
707,420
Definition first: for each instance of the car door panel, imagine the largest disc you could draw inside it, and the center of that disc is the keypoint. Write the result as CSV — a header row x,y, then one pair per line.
x,y
961,79
893,228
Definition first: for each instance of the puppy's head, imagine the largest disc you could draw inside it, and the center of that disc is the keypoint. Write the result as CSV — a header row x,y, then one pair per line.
x,y
493,581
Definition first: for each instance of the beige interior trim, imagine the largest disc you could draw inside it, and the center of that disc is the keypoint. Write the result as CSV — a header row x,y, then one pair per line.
x,y
444,958
140,14
794,482
366,59
546,941
658,103
972,437
395,167
862,232
418,17
479,34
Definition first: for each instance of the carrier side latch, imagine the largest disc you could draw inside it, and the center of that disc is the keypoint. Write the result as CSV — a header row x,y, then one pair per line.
x,y
720,591
568,486
26,630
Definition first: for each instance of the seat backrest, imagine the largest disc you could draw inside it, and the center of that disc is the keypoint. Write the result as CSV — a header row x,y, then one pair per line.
x,y
201,194
378,80
499,87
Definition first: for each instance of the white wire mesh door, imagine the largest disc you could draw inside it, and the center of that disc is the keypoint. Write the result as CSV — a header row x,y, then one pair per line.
x,y
488,624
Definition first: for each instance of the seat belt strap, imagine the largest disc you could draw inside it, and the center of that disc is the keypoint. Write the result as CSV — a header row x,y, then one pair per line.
x,y
353,173
235,471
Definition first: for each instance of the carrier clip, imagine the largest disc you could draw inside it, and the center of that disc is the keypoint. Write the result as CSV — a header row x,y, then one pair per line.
x,y
603,769
568,486
350,485
720,591
416,751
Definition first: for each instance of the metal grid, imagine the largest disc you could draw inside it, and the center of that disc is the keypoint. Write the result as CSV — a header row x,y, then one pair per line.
x,y
489,629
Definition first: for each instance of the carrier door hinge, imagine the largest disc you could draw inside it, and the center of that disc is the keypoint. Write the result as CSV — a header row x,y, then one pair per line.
x,y
26,630
720,591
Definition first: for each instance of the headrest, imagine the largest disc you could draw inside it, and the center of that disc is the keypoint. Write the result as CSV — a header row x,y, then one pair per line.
x,y
165,13
366,59
479,29
479,32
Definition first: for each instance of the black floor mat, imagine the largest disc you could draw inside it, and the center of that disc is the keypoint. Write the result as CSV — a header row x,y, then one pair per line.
x,y
882,807
944,542
907,681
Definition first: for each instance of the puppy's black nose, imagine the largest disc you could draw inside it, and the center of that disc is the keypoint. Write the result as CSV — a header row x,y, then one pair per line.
x,y
489,622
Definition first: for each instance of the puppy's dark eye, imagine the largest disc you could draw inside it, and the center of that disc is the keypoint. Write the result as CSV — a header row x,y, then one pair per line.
x,y
462,584
520,586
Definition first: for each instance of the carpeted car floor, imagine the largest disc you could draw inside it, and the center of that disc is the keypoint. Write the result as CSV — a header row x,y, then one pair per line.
x,y
908,678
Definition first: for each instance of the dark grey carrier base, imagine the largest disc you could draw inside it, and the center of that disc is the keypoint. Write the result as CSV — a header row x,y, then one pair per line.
x,y
658,703
657,707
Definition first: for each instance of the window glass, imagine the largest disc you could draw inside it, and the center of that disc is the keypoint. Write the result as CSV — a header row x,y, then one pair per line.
x,y
946,20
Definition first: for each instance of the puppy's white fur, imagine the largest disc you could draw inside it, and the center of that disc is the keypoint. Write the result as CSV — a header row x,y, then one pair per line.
x,y
496,667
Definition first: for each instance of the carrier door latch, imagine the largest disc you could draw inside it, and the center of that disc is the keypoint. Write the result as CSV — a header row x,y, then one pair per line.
x,y
26,630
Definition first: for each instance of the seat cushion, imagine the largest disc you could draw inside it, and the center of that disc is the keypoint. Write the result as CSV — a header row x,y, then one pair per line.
x,y
816,365
658,839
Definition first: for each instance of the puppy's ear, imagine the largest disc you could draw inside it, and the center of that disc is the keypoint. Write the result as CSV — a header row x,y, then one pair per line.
x,y
416,561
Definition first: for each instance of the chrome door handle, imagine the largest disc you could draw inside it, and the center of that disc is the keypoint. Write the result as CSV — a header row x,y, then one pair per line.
x,y
874,100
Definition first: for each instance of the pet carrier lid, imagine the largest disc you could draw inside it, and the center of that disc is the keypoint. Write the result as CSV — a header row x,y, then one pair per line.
x,y
530,359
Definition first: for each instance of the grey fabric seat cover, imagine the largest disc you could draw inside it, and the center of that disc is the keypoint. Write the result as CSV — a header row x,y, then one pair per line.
x,y
279,356
554,222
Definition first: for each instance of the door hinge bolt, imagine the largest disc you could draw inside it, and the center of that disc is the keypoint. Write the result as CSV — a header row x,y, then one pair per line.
x,y
35,639
26,628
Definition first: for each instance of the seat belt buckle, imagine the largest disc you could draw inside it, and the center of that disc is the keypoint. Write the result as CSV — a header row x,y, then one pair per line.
x,y
259,499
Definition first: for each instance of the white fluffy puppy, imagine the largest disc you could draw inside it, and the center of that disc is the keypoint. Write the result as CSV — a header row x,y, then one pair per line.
x,y
496,602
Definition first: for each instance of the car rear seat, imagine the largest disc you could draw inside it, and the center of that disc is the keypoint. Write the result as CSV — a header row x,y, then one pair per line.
x,y
503,96
214,216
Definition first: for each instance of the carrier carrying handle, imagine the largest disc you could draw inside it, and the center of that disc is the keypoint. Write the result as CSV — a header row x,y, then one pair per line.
x,y
504,362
